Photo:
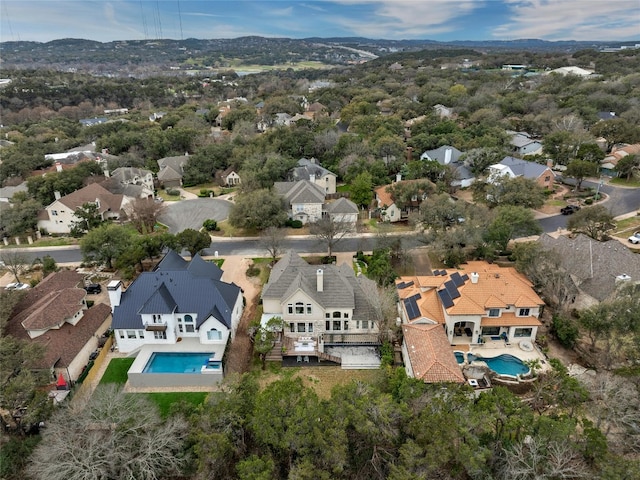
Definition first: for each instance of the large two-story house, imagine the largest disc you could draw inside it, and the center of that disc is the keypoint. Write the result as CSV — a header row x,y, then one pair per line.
x,y
59,216
516,167
181,308
55,315
327,311
311,170
304,200
479,304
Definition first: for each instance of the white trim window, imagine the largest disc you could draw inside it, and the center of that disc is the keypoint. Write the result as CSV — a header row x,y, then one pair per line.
x,y
524,312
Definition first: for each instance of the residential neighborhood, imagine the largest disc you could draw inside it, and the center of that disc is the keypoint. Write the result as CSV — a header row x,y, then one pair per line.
x,y
336,263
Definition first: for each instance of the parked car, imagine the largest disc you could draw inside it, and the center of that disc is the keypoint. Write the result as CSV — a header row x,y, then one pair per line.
x,y
94,288
16,286
635,238
569,209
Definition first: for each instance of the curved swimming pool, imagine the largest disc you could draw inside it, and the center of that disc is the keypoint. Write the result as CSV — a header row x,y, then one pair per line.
x,y
502,364
459,357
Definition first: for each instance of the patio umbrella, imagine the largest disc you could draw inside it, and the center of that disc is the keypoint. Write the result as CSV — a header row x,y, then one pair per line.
x,y
61,384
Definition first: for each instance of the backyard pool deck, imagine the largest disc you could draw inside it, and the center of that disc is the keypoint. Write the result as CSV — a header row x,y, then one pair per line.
x,y
493,350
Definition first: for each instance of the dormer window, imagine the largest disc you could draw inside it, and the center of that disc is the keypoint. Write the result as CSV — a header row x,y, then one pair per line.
x,y
494,312
524,312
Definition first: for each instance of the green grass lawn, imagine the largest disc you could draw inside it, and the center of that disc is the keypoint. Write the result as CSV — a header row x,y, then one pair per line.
x,y
624,183
44,242
166,197
116,371
343,188
166,400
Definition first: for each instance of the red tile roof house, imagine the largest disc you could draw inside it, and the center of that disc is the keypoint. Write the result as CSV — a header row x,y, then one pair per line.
x,y
478,304
54,314
59,216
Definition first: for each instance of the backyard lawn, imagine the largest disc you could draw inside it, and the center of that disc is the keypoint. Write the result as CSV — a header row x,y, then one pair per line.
x,y
116,371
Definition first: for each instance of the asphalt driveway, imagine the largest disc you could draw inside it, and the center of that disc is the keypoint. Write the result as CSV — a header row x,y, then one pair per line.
x,y
179,216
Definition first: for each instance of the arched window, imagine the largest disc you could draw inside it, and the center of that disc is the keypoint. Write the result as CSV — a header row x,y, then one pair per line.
x,y
299,308
188,319
214,334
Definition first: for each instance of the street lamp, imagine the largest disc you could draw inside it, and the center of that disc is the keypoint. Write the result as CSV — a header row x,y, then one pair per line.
x,y
600,183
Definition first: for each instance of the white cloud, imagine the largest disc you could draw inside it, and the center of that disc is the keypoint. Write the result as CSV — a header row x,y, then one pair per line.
x,y
407,18
572,19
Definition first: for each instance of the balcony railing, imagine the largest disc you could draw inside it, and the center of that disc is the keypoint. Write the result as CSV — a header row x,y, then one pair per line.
x,y
155,326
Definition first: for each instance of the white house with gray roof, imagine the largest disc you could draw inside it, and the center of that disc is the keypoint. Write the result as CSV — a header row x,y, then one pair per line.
x,y
342,210
517,167
524,144
323,307
182,307
450,156
309,169
304,200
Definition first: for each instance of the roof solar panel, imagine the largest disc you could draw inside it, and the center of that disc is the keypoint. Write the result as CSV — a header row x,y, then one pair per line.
x,y
411,306
402,285
452,290
465,277
457,279
445,298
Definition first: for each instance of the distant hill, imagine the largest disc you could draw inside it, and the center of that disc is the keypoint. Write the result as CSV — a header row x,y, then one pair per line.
x,y
136,57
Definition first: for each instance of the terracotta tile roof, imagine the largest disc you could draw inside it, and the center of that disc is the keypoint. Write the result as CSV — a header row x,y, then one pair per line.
x,y
510,319
430,354
497,287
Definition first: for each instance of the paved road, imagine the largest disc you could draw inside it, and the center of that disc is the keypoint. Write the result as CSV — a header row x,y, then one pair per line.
x,y
179,216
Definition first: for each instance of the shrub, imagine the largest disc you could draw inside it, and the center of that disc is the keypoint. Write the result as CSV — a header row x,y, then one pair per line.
x,y
588,201
328,260
173,192
253,271
565,330
210,225
205,192
386,354
293,223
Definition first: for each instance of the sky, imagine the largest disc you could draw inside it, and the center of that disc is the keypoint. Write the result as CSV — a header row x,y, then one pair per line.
x,y
443,20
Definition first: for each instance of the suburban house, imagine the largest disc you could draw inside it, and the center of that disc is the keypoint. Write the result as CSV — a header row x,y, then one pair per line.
x,y
328,312
304,199
316,110
311,170
59,216
228,177
389,210
606,115
180,307
89,122
596,269
524,144
7,192
477,304
609,163
171,169
54,314
342,210
516,167
134,176
450,156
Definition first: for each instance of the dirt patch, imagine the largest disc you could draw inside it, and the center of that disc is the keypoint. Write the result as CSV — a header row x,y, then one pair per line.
x,y
322,379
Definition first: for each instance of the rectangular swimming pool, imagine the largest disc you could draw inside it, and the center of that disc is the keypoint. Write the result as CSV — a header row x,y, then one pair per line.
x,y
180,362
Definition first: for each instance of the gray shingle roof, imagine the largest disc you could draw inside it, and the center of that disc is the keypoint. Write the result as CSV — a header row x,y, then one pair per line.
x,y
307,167
177,286
124,174
341,206
524,168
580,256
341,288
302,191
439,154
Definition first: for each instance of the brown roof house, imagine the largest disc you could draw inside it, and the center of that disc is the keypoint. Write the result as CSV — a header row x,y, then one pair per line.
x,y
595,268
171,169
54,314
478,304
59,216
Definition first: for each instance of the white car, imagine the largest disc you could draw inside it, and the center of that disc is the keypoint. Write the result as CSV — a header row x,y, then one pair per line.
x,y
17,286
635,238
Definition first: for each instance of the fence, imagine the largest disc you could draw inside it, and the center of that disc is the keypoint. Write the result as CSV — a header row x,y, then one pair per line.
x,y
87,385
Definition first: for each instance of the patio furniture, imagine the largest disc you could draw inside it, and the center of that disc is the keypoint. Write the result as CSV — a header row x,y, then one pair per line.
x,y
299,358
306,359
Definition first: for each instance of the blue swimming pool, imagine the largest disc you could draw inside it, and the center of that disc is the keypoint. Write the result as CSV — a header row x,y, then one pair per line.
x,y
502,364
459,357
179,362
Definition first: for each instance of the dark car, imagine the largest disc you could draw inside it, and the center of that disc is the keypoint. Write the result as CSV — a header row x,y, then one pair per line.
x,y
569,209
94,288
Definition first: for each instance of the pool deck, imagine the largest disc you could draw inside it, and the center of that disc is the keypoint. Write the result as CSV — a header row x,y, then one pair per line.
x,y
514,349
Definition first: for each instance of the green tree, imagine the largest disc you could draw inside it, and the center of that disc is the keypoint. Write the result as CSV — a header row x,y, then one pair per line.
x,y
193,240
581,169
590,152
362,189
48,265
560,146
258,210
88,217
518,191
105,243
410,192
441,212
511,222
379,267
264,338
595,222
22,217
627,166
616,131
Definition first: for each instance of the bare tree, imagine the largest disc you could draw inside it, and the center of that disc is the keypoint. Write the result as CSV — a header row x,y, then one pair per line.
x,y
384,301
143,213
15,262
110,435
272,239
329,232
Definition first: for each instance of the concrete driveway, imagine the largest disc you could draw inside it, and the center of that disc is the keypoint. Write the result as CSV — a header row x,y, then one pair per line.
x,y
179,216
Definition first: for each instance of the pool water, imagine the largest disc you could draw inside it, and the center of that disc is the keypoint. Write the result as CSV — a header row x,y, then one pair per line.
x,y
178,362
502,364
459,357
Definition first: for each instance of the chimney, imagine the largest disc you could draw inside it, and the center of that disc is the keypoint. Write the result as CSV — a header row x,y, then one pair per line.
x,y
106,173
398,177
114,288
549,163
409,154
475,276
57,195
58,167
320,280
312,178
447,156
